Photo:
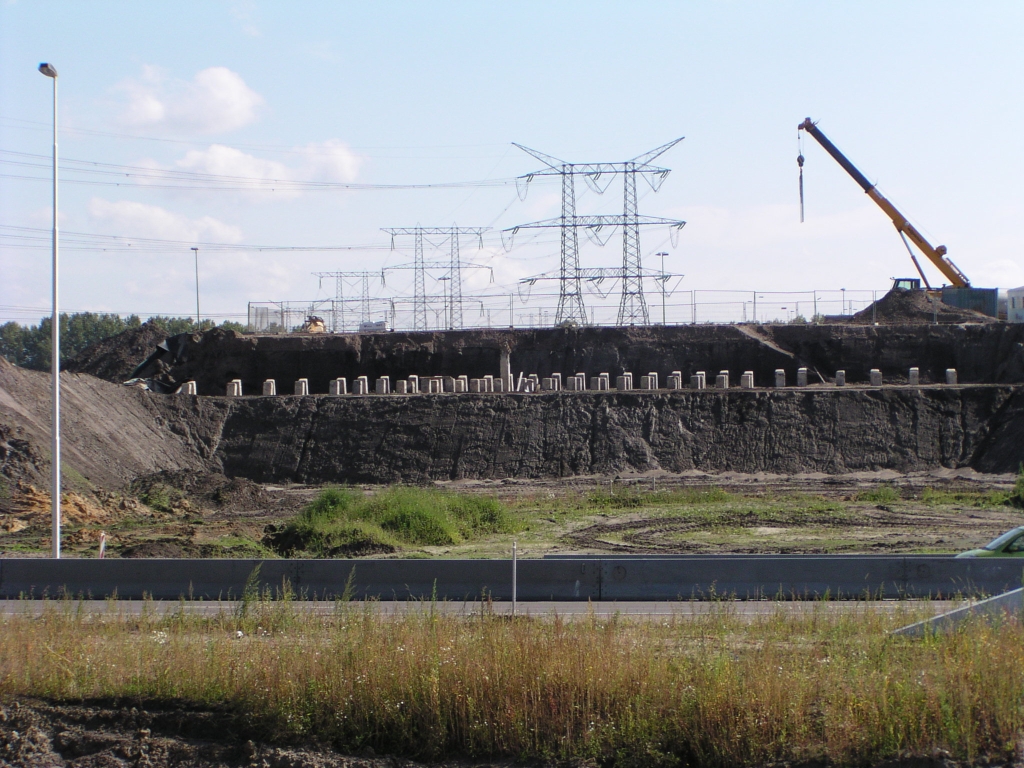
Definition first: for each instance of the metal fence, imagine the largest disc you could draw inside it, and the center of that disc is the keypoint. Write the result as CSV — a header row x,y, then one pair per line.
x,y
531,309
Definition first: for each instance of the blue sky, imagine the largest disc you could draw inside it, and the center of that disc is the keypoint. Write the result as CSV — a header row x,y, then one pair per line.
x,y
924,97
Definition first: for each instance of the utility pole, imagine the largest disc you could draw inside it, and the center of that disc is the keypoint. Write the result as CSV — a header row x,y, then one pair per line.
x,y
51,72
195,250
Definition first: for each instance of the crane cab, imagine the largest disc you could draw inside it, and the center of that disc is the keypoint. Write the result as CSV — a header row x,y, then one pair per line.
x,y
906,284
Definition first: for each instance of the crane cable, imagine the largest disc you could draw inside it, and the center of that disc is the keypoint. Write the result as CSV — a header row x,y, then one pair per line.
x,y
800,163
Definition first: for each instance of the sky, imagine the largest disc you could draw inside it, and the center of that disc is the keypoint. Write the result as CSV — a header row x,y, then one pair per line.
x,y
281,138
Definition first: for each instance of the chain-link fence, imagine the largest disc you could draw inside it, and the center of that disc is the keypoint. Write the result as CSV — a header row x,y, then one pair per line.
x,y
540,310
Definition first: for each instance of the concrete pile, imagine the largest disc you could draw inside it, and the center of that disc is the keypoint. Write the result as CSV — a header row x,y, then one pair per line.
x,y
533,384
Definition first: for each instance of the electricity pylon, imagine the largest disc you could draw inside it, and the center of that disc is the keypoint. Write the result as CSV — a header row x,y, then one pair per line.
x,y
633,305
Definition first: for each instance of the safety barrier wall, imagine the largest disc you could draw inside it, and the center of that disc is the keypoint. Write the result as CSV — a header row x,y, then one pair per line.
x,y
582,578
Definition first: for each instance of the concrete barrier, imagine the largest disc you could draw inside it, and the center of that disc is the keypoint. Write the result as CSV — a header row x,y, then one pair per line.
x,y
188,388
1007,604
747,380
801,377
951,376
401,387
840,378
555,578
269,388
234,388
875,377
301,386
914,377
339,387
780,377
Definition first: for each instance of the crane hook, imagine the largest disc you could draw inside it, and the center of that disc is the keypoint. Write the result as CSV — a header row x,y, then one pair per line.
x,y
800,163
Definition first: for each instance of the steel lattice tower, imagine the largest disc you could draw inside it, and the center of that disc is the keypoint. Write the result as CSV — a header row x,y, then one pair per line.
x,y
420,269
633,306
339,295
419,307
455,273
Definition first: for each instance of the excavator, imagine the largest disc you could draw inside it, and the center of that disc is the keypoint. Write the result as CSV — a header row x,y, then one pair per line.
x,y
937,255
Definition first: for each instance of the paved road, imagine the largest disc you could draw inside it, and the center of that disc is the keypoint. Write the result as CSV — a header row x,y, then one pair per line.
x,y
637,609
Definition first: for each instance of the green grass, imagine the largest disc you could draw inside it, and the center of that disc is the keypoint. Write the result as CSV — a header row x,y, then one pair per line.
x,y
341,521
981,499
162,498
631,498
716,690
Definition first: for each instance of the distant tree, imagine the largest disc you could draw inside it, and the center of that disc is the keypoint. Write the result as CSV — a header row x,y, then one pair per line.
x,y
29,345
13,340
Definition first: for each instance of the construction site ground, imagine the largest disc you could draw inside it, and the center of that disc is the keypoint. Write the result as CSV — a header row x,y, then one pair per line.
x,y
186,514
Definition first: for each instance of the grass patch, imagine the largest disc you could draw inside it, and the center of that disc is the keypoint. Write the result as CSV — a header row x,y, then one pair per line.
x,y
714,690
982,499
160,497
634,497
341,521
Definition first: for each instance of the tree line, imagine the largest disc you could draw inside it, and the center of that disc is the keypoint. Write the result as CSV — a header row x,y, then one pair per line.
x,y
29,346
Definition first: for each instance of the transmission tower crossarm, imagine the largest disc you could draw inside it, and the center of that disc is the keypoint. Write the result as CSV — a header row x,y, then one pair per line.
x,y
552,162
641,161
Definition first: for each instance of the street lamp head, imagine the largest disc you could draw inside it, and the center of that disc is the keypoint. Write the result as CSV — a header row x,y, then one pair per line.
x,y
194,248
48,69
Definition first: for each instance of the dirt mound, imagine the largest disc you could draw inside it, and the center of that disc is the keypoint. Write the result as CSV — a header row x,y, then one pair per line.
x,y
204,489
114,358
899,306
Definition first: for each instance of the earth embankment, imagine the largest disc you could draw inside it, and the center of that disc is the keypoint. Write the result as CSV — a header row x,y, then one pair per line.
x,y
110,434
981,353
320,439
113,433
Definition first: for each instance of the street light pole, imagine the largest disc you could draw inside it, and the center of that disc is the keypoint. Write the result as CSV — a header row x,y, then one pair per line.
x,y
51,73
196,251
663,255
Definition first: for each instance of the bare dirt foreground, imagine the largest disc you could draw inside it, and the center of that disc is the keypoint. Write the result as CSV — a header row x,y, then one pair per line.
x,y
37,734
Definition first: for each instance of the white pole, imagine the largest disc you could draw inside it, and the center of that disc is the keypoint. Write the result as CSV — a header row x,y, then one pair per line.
x,y
50,72
514,577
196,251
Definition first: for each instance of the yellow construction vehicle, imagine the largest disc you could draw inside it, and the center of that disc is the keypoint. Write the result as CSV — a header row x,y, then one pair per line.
x,y
314,324
937,255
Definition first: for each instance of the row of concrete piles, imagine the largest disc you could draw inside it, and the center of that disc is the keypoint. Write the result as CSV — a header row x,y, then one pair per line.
x,y
579,382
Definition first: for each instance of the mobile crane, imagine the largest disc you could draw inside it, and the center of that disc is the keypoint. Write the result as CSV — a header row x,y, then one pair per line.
x,y
937,255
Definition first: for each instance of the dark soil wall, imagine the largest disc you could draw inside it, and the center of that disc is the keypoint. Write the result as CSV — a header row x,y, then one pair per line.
x,y
991,353
413,438
113,433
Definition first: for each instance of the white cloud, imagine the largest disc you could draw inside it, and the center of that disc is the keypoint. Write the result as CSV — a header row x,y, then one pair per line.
x,y
330,161
215,101
131,219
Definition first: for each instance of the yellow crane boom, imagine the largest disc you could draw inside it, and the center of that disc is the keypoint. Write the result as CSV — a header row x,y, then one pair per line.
x,y
937,255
